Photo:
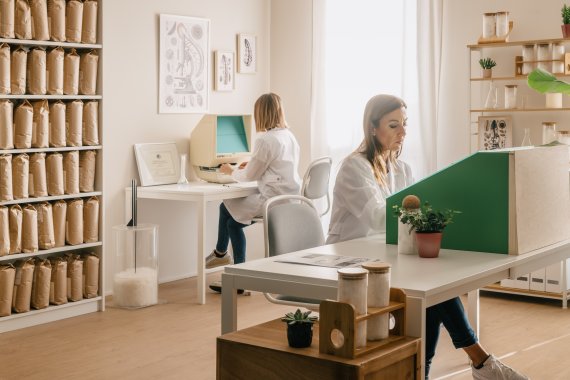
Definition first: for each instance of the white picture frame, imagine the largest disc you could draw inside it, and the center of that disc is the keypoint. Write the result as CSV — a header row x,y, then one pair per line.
x,y
224,70
157,163
184,64
494,132
247,53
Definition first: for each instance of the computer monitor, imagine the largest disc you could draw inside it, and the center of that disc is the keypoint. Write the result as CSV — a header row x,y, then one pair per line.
x,y
220,139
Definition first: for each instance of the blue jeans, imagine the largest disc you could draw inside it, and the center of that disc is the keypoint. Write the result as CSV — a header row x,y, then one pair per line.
x,y
452,315
229,229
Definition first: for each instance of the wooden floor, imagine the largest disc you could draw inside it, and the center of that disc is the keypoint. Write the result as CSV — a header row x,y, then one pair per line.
x,y
176,339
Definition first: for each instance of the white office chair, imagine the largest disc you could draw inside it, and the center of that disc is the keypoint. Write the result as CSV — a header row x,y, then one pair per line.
x,y
316,181
292,223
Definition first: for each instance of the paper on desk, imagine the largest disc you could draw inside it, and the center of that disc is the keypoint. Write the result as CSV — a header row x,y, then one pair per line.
x,y
330,261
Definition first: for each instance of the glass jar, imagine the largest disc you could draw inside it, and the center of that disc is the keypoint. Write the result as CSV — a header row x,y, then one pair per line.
x,y
548,132
564,138
489,25
557,58
352,289
528,59
511,96
502,24
543,57
378,296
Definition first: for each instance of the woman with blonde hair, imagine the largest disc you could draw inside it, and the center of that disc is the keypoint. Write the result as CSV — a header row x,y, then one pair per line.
x,y
365,179
274,164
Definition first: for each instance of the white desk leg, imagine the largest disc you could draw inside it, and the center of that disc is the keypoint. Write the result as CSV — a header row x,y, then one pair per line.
x,y
416,325
229,304
200,256
473,309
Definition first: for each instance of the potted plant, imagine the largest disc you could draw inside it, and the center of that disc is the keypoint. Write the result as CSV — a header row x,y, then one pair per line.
x,y
487,65
546,83
299,328
565,21
429,225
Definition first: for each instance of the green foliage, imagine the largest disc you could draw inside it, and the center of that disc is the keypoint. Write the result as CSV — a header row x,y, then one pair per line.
x,y
425,219
542,81
299,317
487,63
565,14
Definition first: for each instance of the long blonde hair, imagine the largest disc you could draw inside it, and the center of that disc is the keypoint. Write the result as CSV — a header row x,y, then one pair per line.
x,y
376,108
269,113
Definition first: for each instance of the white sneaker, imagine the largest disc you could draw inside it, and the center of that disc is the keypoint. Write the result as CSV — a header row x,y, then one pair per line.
x,y
213,261
494,369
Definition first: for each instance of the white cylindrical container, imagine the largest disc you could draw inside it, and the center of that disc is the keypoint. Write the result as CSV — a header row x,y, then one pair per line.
x,y
378,296
557,58
135,283
502,22
352,284
528,58
564,138
406,240
489,25
511,96
549,132
553,100
543,57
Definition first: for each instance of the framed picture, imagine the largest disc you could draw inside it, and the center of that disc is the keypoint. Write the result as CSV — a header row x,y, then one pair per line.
x,y
247,53
495,132
184,67
224,70
158,163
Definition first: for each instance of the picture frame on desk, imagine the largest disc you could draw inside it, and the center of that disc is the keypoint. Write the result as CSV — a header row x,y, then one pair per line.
x,y
494,132
157,163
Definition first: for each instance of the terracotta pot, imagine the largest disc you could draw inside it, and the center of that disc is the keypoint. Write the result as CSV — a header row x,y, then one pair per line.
x,y
565,30
300,335
429,244
487,73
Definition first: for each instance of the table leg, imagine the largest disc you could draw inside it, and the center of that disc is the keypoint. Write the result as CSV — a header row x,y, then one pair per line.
x,y
473,309
416,325
229,304
200,254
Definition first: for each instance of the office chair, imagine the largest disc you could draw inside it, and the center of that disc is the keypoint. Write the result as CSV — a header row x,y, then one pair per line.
x,y
316,181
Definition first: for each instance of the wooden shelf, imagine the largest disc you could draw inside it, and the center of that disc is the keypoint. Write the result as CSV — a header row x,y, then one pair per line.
x,y
15,41
525,292
519,43
495,110
48,150
516,77
65,248
53,97
51,198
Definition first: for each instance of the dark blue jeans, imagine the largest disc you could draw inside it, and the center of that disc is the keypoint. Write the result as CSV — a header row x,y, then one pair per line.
x,y
453,317
229,229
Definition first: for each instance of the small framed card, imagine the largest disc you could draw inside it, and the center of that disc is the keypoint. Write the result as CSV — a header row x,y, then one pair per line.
x,y
495,132
158,163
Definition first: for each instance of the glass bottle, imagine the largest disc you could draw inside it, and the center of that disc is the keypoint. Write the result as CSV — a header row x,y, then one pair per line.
x,y
526,138
182,178
491,101
511,96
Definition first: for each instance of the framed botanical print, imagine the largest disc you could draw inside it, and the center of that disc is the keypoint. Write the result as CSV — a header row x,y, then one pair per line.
x,y
224,70
247,53
495,132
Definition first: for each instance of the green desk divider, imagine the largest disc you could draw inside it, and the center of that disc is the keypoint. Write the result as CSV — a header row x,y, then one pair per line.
x,y
478,186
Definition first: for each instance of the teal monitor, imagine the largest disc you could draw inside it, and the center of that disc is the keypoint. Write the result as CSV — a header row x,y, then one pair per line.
x,y
231,136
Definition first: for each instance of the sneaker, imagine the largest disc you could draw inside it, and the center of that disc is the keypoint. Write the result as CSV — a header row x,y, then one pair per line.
x,y
216,286
212,260
494,369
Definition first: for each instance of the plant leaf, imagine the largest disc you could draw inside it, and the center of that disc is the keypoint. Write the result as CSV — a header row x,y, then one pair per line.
x,y
542,81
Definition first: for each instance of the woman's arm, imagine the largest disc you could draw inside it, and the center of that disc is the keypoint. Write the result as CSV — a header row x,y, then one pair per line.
x,y
258,164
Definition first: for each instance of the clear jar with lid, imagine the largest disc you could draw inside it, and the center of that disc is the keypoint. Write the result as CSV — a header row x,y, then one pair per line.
x,y
489,25
378,296
543,57
352,285
511,96
564,138
558,58
502,22
548,132
528,59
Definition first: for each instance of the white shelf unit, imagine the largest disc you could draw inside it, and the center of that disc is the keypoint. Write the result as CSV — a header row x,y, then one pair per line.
x,y
70,309
526,116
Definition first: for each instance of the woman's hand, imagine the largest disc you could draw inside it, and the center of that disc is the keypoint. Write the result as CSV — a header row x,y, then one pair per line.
x,y
226,169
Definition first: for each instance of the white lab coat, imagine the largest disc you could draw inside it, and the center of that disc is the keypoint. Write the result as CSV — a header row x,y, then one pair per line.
x,y
274,165
359,203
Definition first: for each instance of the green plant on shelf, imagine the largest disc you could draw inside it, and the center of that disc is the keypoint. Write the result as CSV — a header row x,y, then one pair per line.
x,y
543,82
565,14
487,63
299,317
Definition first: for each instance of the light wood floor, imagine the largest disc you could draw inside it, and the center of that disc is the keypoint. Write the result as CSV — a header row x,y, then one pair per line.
x,y
176,340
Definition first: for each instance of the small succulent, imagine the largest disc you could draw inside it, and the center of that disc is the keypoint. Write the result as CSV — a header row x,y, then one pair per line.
x,y
565,14
487,63
299,317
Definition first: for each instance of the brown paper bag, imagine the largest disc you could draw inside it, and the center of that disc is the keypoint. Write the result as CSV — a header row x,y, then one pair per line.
x,y
40,30
37,184
37,71
40,125
20,176
15,220
46,236
54,166
7,18
74,222
7,276
55,71
90,275
74,278
56,17
4,231
71,172
23,20
91,220
18,71
71,73
87,164
58,281
91,123
23,125
6,178
29,229
41,284
59,209
4,68
57,124
74,123
88,73
23,285
73,20
89,29
6,124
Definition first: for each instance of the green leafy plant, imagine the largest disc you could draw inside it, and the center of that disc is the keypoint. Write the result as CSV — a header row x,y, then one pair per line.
x,y
299,317
543,81
487,63
425,219
565,14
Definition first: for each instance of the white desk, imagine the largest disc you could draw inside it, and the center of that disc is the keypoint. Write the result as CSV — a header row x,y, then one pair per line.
x,y
200,193
426,282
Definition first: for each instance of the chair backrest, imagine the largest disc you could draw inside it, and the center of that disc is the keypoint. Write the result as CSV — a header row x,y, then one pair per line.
x,y
316,181
291,224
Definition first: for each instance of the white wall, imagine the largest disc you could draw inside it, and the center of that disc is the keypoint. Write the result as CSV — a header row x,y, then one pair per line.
x,y
130,88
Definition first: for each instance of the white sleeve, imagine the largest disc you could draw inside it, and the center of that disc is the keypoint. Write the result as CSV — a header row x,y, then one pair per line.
x,y
258,164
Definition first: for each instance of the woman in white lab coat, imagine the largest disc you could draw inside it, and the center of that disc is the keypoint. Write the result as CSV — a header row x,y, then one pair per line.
x,y
365,179
274,164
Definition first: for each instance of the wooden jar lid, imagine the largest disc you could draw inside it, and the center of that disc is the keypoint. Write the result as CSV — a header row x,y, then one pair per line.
x,y
352,273
377,267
